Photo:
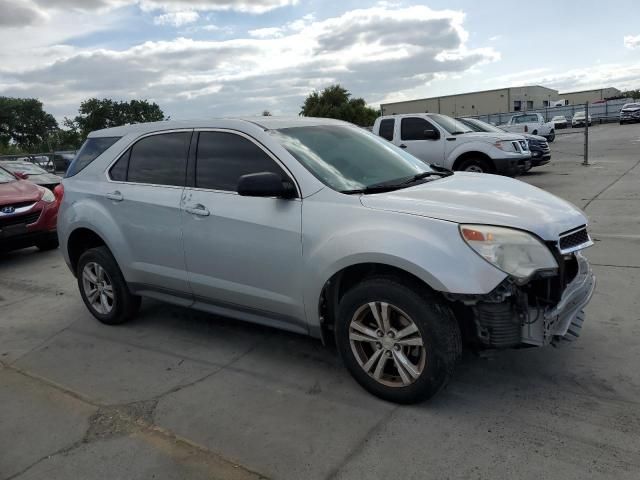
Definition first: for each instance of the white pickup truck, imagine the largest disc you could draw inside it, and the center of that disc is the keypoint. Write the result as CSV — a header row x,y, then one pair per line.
x,y
440,140
532,123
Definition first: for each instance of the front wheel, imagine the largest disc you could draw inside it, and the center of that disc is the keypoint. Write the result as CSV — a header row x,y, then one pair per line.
x,y
551,137
103,288
399,342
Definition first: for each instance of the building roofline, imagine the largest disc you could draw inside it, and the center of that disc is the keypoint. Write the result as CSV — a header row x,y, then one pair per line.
x,y
590,90
467,93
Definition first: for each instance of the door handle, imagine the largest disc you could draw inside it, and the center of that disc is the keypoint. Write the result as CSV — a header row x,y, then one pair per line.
x,y
402,145
115,196
198,209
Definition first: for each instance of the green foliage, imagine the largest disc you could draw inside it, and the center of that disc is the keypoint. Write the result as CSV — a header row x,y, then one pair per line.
x,y
95,114
24,125
335,102
635,94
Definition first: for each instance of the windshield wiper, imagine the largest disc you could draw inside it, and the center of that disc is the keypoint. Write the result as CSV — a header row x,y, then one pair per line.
x,y
395,184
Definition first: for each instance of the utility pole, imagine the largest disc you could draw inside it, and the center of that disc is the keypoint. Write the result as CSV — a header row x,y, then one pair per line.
x,y
586,134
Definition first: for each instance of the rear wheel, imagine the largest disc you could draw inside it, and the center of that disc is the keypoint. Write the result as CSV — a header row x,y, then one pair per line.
x,y
399,342
103,288
476,165
551,137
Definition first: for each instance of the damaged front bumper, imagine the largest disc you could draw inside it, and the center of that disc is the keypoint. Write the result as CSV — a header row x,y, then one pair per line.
x,y
513,315
564,321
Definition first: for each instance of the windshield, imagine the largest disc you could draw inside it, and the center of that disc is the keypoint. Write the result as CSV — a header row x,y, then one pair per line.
x,y
5,176
449,124
480,126
24,167
348,158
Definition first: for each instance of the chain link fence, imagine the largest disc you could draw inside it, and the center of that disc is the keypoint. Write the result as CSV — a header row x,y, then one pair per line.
x,y
54,162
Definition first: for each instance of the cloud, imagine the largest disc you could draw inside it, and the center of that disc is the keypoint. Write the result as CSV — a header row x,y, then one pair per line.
x,y
18,13
370,51
632,41
248,6
177,19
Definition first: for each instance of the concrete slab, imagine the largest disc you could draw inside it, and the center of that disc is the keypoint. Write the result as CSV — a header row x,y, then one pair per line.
x,y
180,332
35,421
136,457
109,372
268,426
47,315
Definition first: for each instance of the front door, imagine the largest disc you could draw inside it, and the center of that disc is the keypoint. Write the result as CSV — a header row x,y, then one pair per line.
x,y
412,139
243,254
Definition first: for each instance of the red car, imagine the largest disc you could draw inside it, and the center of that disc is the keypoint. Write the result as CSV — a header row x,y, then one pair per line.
x,y
28,214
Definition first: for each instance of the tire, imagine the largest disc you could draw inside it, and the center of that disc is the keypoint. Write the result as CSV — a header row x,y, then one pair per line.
x,y
111,310
48,244
477,165
551,137
432,363
535,132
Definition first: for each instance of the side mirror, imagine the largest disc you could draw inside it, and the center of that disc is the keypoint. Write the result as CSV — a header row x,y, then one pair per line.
x,y
21,175
431,134
265,184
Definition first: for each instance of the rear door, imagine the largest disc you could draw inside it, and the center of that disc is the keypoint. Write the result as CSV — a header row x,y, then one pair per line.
x,y
244,254
411,137
143,197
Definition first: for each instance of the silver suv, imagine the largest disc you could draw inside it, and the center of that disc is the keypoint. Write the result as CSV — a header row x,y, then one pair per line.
x,y
322,228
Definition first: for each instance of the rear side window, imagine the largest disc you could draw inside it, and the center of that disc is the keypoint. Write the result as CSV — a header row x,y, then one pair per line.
x,y
412,128
158,159
386,128
91,149
222,158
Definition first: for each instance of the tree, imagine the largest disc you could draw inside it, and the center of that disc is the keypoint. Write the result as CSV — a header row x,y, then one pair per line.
x,y
24,125
266,113
635,94
335,102
95,114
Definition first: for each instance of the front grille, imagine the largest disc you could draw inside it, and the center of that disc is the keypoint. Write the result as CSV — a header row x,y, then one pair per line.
x,y
18,205
27,219
574,239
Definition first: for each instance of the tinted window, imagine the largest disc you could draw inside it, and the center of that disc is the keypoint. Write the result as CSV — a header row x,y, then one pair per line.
x,y
386,128
119,170
159,159
91,149
222,158
412,128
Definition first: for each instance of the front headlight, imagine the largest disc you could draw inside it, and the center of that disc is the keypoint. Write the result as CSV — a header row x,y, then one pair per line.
x,y
47,195
505,146
515,252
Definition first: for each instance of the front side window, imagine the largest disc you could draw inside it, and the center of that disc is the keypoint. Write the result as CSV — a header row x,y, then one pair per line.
x,y
347,158
412,128
159,159
451,125
222,158
386,128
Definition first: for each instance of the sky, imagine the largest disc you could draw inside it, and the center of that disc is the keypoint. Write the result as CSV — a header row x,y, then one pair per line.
x,y
214,58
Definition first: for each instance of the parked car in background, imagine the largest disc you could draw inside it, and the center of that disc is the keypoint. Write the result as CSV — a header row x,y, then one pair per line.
x,y
319,227
578,119
28,214
533,123
62,160
538,146
32,172
630,113
559,122
440,140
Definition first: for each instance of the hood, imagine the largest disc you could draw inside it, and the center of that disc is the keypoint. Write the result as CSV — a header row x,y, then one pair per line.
x,y
528,136
490,136
45,179
18,192
484,199
630,109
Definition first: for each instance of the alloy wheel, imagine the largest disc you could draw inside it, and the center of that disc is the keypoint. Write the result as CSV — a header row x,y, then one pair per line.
x,y
387,344
474,168
98,288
